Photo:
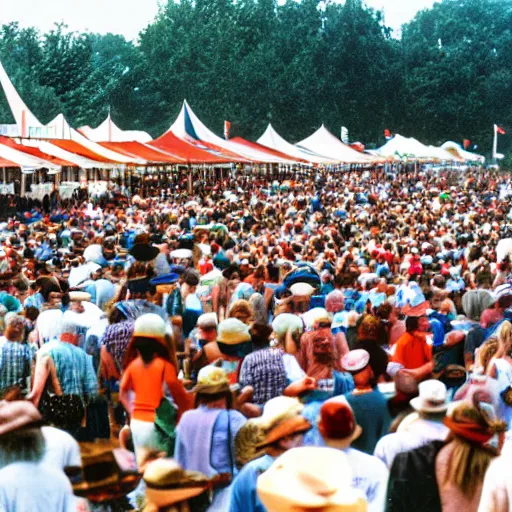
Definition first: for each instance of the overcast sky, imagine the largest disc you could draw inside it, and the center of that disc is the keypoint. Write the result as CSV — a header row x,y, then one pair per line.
x,y
128,17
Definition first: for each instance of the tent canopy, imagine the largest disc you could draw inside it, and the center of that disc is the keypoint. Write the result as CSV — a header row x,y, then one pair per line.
x,y
323,142
458,150
273,140
262,147
108,131
190,128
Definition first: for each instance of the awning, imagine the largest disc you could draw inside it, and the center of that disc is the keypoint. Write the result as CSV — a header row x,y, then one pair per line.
x,y
36,152
175,146
270,151
143,151
24,160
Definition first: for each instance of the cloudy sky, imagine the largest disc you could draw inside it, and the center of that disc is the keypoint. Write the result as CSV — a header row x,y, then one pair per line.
x,y
128,17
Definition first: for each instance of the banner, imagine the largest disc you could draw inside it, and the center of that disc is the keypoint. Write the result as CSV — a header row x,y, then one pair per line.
x,y
227,127
344,135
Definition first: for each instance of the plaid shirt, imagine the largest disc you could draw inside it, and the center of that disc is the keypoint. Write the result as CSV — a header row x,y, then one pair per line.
x,y
15,364
116,339
265,371
74,367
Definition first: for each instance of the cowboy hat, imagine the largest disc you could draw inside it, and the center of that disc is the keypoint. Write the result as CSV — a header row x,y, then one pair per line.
x,y
106,474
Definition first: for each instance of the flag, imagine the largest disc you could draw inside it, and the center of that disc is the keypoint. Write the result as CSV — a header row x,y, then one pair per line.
x,y
227,127
466,143
387,134
501,131
344,135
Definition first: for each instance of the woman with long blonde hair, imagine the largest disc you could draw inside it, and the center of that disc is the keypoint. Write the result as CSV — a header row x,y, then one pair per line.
x,y
500,368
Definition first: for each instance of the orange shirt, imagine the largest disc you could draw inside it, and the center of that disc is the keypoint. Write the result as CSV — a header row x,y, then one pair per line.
x,y
146,381
412,352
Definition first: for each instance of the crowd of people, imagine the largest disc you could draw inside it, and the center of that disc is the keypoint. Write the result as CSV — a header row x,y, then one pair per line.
x,y
327,342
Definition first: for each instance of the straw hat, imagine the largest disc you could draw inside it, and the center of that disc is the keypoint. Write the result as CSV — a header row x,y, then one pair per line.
x,y
79,296
150,325
337,422
212,380
302,290
167,483
279,408
287,427
233,332
315,478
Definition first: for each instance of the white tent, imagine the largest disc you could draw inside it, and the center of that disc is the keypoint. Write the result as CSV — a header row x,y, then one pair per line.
x,y
443,155
457,149
401,147
58,128
108,131
323,142
189,127
273,140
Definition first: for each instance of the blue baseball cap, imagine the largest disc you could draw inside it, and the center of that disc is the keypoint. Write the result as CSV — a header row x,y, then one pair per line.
x,y
165,279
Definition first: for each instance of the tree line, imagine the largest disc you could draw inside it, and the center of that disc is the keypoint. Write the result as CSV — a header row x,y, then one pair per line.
x,y
296,64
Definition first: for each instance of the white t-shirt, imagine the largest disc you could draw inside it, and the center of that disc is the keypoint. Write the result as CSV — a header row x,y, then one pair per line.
x,y
293,370
35,487
414,435
369,475
62,450
497,489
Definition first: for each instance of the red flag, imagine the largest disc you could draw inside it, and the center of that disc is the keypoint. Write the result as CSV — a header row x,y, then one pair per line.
x,y
387,134
466,143
227,127
501,131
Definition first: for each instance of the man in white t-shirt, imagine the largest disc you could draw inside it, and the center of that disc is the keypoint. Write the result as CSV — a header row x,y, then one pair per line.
x,y
61,450
338,427
420,427
27,481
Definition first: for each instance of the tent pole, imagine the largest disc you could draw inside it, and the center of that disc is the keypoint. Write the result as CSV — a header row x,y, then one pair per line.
x,y
189,180
23,184
4,172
